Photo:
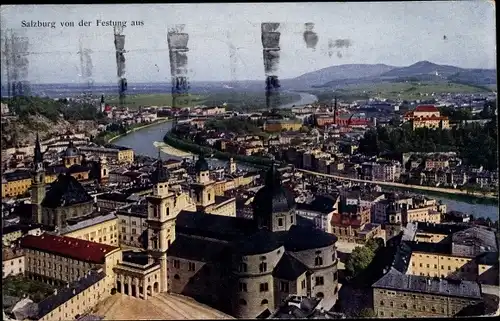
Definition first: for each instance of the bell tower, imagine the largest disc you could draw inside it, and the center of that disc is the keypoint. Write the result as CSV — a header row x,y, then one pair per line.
x,y
394,222
231,166
202,191
38,183
161,220
103,170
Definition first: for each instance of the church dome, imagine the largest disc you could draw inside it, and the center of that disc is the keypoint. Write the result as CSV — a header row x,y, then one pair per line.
x,y
71,150
273,197
201,164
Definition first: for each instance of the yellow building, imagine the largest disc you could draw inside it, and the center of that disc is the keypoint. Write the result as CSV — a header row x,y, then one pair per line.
x,y
61,259
273,126
12,262
398,295
16,183
78,298
101,229
452,251
116,153
427,116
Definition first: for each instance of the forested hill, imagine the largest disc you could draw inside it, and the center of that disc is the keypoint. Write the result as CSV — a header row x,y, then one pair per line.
x,y
476,144
46,116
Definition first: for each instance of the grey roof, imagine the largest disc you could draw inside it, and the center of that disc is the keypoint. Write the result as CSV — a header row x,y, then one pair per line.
x,y
197,249
66,293
474,241
301,238
65,191
322,203
87,222
444,229
261,242
214,226
289,268
395,280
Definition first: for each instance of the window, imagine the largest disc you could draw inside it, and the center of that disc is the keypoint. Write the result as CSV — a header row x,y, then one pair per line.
x,y
177,264
242,267
449,268
291,219
243,302
280,222
381,302
124,230
264,287
262,267
318,261
420,264
320,280
191,266
177,277
242,287
168,211
428,265
134,231
284,287
303,284
435,266
264,302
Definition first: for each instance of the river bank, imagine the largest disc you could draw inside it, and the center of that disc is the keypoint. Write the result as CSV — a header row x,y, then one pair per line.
x,y
143,143
160,120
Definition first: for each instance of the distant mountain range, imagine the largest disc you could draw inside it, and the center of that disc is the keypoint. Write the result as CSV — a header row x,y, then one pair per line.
x,y
366,73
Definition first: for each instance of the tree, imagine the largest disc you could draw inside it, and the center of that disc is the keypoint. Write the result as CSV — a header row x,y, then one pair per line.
x,y
359,259
375,243
366,313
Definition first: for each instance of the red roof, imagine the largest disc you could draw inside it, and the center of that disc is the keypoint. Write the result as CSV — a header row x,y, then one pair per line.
x,y
70,247
426,109
430,118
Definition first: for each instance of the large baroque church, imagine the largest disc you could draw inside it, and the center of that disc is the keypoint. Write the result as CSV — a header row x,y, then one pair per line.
x,y
195,245
247,267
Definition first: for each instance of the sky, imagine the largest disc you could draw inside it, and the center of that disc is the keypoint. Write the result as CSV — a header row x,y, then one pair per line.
x,y
459,33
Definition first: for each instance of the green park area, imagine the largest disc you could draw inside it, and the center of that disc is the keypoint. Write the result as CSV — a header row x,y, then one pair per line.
x,y
403,90
135,101
409,90
239,101
20,286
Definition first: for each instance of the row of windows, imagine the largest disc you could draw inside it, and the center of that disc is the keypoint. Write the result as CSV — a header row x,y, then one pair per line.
x,y
12,262
457,269
415,307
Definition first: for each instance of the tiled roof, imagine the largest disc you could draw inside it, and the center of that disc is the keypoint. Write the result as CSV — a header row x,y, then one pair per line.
x,y
395,280
426,108
68,247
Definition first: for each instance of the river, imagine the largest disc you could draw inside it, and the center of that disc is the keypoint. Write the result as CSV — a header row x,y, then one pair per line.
x,y
143,142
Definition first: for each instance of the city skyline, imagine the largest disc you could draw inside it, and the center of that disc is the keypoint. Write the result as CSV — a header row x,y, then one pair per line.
x,y
384,33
